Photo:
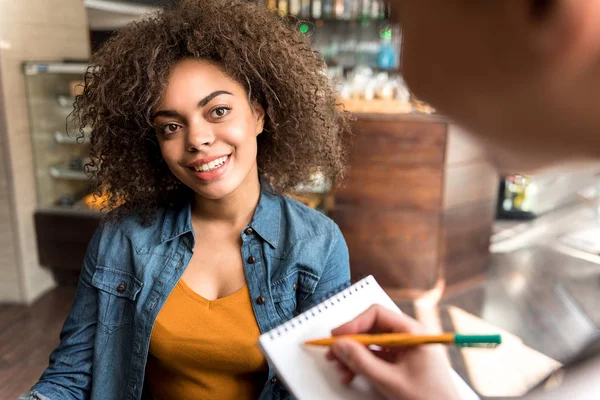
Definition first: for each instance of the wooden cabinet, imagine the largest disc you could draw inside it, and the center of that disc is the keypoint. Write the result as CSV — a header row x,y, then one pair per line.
x,y
62,240
418,205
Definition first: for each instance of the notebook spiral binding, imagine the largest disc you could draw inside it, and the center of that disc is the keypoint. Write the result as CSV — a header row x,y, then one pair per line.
x,y
336,290
329,301
329,294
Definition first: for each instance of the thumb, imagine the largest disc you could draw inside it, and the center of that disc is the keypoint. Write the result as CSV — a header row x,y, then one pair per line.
x,y
361,361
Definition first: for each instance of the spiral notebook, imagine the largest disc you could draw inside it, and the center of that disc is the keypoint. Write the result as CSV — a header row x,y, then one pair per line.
x,y
304,370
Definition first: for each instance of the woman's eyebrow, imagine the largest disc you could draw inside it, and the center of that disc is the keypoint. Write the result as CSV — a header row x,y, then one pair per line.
x,y
166,113
211,96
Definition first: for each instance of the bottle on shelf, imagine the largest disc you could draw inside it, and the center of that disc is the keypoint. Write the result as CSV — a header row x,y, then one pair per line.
x,y
374,9
383,10
365,10
295,7
386,56
339,7
347,14
305,8
328,9
316,9
282,6
355,9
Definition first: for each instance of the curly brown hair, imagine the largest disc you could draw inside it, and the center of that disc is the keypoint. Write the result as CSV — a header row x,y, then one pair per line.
x,y
304,125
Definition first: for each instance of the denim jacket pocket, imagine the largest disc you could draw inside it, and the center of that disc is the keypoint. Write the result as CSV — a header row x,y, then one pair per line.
x,y
291,291
117,291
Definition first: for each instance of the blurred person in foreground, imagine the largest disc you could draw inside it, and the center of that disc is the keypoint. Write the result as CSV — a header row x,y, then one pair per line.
x,y
524,76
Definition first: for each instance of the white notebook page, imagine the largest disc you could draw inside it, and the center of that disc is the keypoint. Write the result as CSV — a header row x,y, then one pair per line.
x,y
304,369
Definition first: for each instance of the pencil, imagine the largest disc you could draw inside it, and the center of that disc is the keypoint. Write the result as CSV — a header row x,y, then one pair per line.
x,y
407,339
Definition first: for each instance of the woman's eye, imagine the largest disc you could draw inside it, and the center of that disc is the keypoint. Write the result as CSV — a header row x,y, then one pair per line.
x,y
168,129
220,112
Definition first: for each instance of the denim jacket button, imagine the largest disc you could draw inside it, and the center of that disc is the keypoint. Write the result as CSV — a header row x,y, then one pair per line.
x,y
260,300
249,231
295,286
274,380
251,260
121,288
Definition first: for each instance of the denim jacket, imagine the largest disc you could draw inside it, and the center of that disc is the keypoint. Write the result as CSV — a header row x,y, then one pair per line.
x,y
298,255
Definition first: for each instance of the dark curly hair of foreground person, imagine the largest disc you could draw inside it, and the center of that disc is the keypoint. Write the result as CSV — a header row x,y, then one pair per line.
x,y
305,128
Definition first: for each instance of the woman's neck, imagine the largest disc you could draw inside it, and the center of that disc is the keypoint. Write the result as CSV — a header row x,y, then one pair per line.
x,y
235,209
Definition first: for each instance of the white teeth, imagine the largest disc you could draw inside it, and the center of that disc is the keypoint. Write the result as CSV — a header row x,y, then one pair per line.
x,y
211,165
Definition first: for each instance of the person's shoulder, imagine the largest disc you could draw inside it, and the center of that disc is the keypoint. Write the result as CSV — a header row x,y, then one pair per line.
x,y
305,221
134,226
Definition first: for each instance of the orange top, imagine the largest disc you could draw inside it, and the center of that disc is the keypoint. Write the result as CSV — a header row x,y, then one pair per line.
x,y
201,349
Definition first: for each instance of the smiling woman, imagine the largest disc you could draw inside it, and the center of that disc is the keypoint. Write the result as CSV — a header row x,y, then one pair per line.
x,y
202,116
303,127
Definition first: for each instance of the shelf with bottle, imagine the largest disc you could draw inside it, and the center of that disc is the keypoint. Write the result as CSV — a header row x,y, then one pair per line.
x,y
73,137
345,48
83,201
61,172
331,10
73,170
377,91
66,173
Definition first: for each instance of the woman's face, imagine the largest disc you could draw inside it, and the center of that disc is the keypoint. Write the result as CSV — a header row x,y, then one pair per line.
x,y
207,129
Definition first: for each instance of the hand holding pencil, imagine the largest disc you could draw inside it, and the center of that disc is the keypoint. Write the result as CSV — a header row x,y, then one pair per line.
x,y
410,373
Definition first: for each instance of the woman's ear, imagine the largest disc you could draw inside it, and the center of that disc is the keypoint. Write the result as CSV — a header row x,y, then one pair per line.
x,y
259,113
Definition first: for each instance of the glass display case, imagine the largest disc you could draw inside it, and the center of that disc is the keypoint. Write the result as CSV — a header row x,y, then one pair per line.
x,y
58,150
65,219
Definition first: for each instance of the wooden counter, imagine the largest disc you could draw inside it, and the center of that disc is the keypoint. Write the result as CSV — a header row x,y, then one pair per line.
x,y
418,205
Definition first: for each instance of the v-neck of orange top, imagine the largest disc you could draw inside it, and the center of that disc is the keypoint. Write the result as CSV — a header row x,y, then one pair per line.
x,y
232,298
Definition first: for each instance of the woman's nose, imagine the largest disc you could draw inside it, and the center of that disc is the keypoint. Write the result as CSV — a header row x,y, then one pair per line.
x,y
199,135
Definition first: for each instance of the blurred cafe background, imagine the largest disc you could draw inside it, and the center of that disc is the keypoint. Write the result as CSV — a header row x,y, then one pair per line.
x,y
457,244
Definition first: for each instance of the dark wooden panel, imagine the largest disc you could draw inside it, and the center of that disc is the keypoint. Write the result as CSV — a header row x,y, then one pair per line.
x,y
465,241
398,143
62,239
380,186
389,208
400,184
400,248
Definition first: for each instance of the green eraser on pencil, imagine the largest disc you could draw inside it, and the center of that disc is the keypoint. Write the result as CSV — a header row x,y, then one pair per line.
x,y
477,340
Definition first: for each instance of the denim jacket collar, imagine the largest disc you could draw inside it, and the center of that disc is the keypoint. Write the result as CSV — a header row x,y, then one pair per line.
x,y
178,220
266,221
